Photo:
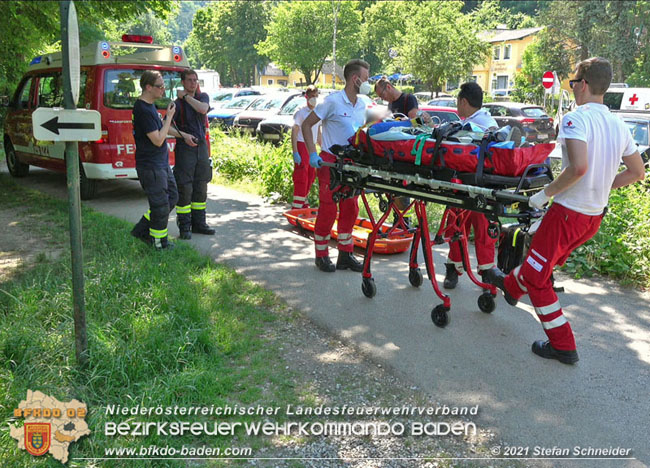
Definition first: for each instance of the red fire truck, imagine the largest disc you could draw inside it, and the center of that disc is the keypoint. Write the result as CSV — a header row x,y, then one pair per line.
x,y
110,84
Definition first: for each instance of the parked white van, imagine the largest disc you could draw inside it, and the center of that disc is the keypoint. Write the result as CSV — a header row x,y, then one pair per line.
x,y
628,99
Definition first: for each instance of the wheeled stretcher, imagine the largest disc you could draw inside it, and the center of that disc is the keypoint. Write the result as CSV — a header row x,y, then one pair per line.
x,y
440,169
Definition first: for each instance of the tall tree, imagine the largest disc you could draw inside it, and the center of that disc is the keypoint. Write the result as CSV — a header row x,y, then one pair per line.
x,y
597,27
180,25
441,44
30,28
224,38
384,24
300,35
491,13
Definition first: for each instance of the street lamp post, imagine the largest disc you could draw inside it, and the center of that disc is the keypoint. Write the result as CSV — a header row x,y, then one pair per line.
x,y
335,10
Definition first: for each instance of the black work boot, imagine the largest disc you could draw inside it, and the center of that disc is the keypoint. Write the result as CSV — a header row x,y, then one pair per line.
x,y
545,350
199,226
451,277
141,231
184,223
325,264
346,260
163,244
495,277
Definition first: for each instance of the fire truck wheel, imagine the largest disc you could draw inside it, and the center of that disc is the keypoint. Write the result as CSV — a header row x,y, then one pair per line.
x,y
486,303
368,287
16,168
440,316
415,277
87,187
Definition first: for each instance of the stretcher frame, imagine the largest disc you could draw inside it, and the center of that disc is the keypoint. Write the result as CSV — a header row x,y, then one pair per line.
x,y
352,175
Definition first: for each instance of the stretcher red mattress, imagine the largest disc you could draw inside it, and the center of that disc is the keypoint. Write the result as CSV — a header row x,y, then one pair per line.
x,y
457,156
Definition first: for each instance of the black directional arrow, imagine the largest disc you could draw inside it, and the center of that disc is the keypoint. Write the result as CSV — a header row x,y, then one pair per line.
x,y
54,126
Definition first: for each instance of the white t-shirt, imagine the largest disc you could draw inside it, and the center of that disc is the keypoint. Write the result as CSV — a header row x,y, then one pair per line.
x,y
608,140
299,117
340,118
483,119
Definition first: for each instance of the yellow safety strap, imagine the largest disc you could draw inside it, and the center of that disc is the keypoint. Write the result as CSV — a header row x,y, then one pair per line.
x,y
158,233
183,209
199,205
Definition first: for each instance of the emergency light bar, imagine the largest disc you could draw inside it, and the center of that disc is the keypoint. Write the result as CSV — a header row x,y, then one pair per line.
x,y
137,38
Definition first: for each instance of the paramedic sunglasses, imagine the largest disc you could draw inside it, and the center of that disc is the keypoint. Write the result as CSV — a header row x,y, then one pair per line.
x,y
573,82
159,86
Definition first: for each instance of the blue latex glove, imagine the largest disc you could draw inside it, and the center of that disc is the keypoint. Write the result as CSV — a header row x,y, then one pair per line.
x,y
315,160
296,157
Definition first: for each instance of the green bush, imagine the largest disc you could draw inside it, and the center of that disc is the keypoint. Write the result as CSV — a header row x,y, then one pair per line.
x,y
239,158
621,248
275,169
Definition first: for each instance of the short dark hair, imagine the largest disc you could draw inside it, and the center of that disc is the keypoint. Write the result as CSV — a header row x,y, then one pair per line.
x,y
473,93
188,72
353,67
149,77
597,72
311,90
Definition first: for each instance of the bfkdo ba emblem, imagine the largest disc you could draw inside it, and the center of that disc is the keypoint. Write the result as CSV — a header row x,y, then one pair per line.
x,y
37,438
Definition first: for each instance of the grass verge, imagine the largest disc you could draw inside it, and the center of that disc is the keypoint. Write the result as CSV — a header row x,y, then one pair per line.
x,y
168,329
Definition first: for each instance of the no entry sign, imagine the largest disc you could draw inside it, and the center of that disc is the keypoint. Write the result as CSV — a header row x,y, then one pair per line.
x,y
548,79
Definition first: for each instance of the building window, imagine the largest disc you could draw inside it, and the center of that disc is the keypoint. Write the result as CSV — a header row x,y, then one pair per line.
x,y
473,78
269,82
502,82
497,53
282,82
506,51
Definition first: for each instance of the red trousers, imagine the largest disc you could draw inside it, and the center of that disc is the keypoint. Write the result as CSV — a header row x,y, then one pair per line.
x,y
561,232
349,209
303,177
483,243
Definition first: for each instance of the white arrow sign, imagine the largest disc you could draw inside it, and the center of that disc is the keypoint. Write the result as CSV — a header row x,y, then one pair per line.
x,y
56,124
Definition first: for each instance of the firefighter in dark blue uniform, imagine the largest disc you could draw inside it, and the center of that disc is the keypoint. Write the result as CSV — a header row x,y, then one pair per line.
x,y
193,169
152,160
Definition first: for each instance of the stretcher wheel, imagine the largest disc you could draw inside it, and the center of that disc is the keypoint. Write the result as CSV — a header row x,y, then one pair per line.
x,y
486,303
383,205
368,287
415,277
301,230
440,316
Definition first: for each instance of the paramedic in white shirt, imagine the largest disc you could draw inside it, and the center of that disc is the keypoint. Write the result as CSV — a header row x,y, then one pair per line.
x,y
303,173
342,113
594,143
469,102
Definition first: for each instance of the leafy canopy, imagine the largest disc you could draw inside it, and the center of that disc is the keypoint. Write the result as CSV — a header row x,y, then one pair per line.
x,y
224,38
441,44
300,35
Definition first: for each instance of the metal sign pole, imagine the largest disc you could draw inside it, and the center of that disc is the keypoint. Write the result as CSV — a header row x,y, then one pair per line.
x,y
70,53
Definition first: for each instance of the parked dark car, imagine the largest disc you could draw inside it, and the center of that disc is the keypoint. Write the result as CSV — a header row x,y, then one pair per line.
x,y
249,119
639,125
275,127
533,121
